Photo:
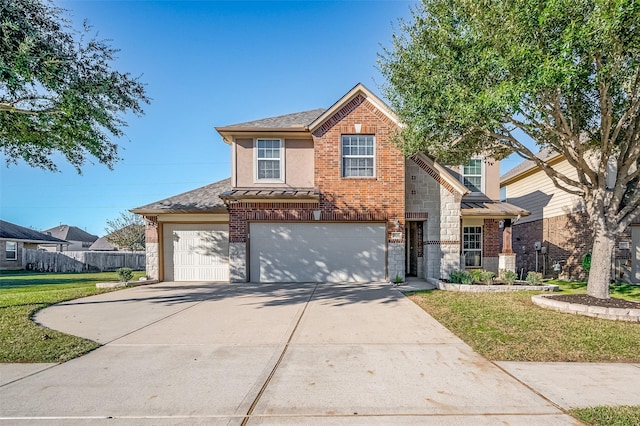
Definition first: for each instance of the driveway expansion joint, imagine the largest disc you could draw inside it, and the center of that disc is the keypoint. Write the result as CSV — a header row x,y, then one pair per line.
x,y
277,364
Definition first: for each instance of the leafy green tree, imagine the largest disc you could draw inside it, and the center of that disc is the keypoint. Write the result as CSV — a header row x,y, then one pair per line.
x,y
58,92
472,77
126,231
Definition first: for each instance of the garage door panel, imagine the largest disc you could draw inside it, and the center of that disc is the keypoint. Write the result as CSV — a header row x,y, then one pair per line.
x,y
317,252
196,252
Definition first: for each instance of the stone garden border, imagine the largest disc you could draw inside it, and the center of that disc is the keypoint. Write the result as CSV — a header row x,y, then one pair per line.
x,y
126,284
475,288
617,314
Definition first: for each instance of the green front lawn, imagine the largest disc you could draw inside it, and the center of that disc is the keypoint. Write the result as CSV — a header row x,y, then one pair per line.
x,y
623,415
621,291
24,293
509,327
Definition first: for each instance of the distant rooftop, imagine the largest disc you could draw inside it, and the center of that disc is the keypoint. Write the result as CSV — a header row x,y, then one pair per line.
x,y
70,233
11,231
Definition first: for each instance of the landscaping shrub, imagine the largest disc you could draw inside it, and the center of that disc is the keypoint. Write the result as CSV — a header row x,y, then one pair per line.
x,y
125,274
460,277
534,278
508,276
487,277
476,275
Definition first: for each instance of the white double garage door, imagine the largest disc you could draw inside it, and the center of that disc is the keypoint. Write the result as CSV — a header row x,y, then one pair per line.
x,y
279,252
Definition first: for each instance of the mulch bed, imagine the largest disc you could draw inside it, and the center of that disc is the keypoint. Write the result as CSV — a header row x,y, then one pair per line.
x,y
583,299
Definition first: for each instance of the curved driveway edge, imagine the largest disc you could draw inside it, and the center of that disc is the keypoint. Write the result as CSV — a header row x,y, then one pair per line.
x,y
180,353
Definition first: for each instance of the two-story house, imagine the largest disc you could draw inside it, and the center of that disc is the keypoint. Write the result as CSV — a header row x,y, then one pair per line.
x,y
554,239
327,195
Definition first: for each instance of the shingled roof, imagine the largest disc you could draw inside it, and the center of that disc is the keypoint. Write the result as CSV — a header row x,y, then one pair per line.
x,y
205,199
545,154
11,231
70,233
298,120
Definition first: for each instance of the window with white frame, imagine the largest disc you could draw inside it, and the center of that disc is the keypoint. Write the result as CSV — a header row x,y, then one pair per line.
x,y
472,246
11,250
269,159
472,175
358,156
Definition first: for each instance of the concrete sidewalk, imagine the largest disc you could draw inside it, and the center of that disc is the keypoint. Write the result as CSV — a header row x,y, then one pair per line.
x,y
200,353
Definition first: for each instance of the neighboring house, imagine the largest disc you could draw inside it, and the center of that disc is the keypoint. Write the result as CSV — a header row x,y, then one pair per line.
x,y
14,239
102,244
132,231
327,195
554,238
78,239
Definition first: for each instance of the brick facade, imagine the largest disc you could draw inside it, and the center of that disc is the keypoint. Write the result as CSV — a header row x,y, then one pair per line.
x,y
380,197
566,239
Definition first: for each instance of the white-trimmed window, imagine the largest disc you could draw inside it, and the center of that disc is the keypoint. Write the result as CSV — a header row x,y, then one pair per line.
x,y
472,246
472,175
269,160
11,250
358,156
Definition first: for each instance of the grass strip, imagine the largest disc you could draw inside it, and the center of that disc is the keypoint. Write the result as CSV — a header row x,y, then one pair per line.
x,y
622,415
22,294
509,327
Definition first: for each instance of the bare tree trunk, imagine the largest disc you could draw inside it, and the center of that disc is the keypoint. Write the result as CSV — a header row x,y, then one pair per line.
x,y
600,272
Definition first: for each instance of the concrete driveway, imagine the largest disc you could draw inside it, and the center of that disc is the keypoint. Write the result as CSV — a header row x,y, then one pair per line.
x,y
197,353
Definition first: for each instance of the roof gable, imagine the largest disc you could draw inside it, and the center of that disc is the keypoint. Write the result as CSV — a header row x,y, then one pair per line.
x,y
359,90
70,233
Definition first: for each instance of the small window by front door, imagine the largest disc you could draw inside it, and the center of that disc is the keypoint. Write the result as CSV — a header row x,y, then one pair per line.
x,y
472,246
11,250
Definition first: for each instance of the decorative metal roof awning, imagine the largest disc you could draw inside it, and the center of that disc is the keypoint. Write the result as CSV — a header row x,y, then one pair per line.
x,y
490,209
303,195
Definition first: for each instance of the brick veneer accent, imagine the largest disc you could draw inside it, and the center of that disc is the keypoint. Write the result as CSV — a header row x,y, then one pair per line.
x,y
151,229
567,238
491,238
377,198
241,213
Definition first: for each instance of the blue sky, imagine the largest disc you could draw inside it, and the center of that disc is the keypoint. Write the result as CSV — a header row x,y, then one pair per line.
x,y
205,64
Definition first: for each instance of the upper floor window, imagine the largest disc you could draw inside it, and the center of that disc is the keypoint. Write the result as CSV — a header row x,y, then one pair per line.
x,y
358,156
11,250
269,159
472,175
503,193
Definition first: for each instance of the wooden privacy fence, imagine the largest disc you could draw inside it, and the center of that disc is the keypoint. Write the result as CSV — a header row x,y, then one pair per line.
x,y
82,261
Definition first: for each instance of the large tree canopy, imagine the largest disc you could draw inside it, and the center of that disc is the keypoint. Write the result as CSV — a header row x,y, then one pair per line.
x,y
471,77
58,92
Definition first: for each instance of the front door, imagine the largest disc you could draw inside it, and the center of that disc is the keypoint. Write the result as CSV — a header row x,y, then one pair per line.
x,y
414,247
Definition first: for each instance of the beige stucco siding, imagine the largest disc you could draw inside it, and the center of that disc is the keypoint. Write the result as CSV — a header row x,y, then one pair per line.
x,y
537,194
491,177
298,163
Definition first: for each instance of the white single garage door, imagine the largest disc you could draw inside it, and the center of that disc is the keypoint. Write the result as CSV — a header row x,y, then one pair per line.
x,y
196,252
317,252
